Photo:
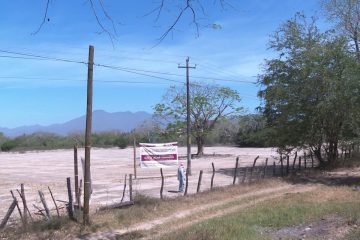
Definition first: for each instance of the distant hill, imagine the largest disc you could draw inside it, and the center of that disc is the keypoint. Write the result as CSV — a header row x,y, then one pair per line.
x,y
102,121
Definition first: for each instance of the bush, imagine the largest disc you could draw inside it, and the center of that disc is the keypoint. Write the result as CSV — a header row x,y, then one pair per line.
x,y
9,145
121,142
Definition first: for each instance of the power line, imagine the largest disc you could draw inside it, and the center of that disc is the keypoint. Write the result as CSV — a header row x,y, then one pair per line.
x,y
39,57
79,80
28,56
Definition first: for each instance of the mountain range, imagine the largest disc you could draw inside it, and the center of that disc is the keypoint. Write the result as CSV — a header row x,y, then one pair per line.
x,y
101,121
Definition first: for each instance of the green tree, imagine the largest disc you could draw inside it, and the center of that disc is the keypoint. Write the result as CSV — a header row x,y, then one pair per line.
x,y
310,90
208,103
346,15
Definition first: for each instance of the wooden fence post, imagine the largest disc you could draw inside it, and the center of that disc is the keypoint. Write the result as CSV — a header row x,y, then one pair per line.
x,y
299,163
235,170
43,201
22,189
213,175
186,183
70,197
305,160
274,168
26,207
287,164
122,198
293,166
162,183
18,208
131,187
312,160
76,176
199,182
52,197
8,214
252,169
244,176
265,167
281,166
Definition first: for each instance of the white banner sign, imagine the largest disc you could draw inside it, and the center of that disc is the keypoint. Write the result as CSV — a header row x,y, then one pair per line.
x,y
158,154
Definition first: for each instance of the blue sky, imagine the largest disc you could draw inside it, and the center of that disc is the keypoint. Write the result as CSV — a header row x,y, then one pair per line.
x,y
46,92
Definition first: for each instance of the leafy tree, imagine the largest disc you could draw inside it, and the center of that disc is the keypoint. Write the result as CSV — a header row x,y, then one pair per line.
x,y
310,90
208,104
252,131
346,15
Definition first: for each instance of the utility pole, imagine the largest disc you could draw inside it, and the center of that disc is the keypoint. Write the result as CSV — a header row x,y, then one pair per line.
x,y
87,181
188,139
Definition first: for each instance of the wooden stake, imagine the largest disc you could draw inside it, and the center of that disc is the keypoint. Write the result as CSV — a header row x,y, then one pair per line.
x,y
253,166
299,163
18,208
70,197
186,183
22,196
199,182
213,175
76,176
87,182
122,198
287,164
304,160
47,211
293,167
135,158
235,170
244,176
281,166
266,163
131,187
274,168
56,206
312,160
23,199
8,214
162,183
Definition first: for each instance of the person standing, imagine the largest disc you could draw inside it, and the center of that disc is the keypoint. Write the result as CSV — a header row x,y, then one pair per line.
x,y
181,177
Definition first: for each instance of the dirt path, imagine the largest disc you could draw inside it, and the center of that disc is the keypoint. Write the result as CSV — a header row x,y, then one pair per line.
x,y
166,224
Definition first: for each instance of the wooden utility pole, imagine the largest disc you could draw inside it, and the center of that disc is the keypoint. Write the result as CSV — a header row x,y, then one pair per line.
x,y
188,140
87,182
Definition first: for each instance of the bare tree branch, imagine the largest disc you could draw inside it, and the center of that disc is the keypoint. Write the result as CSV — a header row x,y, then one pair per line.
x,y
104,29
44,19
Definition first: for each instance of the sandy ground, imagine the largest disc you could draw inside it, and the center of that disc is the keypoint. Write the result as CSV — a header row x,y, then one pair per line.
x,y
40,169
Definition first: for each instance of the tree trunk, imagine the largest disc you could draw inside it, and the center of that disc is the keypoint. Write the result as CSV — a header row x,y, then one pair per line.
x,y
200,146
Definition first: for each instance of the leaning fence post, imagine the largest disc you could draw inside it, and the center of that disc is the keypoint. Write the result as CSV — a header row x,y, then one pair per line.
x,y
293,166
18,208
199,182
8,214
70,197
213,175
52,197
235,170
252,169
162,183
130,187
123,194
43,201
